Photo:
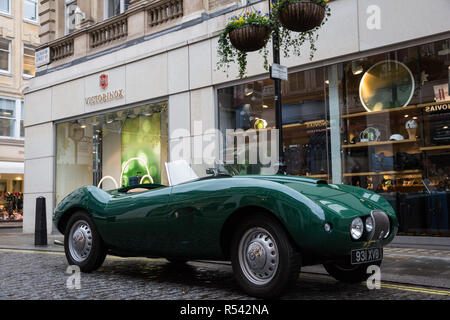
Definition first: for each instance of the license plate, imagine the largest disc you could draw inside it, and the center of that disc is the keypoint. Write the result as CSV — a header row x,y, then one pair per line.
x,y
366,255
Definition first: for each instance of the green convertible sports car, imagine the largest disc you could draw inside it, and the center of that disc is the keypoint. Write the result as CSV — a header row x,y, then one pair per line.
x,y
269,226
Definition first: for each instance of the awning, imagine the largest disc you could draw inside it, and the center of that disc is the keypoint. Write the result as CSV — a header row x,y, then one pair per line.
x,y
11,167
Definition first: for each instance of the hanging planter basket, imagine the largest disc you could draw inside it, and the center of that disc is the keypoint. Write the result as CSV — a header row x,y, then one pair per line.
x,y
249,38
301,16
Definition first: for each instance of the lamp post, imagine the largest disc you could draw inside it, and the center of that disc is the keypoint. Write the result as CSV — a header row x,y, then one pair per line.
x,y
278,98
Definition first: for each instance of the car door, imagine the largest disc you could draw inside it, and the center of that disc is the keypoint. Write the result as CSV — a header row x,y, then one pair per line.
x,y
196,212
138,221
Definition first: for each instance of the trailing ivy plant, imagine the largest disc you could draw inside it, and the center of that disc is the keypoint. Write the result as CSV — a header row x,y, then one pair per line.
x,y
290,41
229,54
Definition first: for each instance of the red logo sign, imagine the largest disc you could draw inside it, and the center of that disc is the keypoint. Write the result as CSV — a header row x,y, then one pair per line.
x,y
104,81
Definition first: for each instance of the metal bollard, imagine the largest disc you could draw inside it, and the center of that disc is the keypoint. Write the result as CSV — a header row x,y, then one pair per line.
x,y
40,230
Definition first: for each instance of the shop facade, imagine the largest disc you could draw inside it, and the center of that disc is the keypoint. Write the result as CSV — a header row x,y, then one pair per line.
x,y
368,110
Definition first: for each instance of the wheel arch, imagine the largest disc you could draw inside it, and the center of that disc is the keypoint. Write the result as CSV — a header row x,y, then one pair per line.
x,y
240,214
64,219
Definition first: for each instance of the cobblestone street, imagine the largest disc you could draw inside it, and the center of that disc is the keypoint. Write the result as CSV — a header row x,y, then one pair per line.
x,y
41,275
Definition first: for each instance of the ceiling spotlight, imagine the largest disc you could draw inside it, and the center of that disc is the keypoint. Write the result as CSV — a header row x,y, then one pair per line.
x,y
327,82
109,119
131,114
248,91
357,68
147,112
82,123
265,106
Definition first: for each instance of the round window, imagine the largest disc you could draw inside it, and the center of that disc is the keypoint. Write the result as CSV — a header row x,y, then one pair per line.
x,y
386,85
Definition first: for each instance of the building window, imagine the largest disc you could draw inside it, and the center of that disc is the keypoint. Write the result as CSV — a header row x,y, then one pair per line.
x,y
5,50
70,10
115,7
30,10
5,6
28,61
22,111
7,117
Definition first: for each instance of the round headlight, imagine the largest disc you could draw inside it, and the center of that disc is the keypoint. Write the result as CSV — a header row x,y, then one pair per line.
x,y
356,229
369,224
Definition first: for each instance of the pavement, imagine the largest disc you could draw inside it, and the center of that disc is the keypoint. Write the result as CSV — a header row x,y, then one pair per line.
x,y
39,272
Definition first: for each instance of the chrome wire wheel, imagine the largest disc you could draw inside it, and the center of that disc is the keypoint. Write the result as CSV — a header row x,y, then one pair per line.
x,y
258,256
80,241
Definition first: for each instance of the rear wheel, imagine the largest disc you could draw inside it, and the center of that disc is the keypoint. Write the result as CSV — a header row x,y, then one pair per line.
x,y
349,273
263,258
82,243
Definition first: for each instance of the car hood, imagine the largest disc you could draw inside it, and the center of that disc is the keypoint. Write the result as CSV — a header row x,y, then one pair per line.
x,y
343,200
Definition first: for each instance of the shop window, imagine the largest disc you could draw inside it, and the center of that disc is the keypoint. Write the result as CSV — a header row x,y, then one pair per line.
x,y
115,7
30,10
5,6
7,117
11,197
395,120
28,61
246,110
306,126
250,107
5,55
110,150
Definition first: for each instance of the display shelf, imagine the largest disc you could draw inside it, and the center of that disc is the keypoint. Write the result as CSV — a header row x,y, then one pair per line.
x,y
423,105
364,114
432,148
317,176
377,143
417,173
308,125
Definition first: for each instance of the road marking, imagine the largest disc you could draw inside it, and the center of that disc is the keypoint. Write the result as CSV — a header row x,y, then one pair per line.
x,y
59,253
415,289
383,285
31,251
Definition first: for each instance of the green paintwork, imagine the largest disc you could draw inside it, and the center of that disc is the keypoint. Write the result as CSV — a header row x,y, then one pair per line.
x,y
187,220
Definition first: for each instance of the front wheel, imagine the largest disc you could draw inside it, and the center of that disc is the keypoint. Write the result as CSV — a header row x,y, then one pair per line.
x,y
263,258
82,243
349,273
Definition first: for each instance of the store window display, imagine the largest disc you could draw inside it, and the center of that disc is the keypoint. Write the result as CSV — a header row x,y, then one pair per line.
x,y
250,107
247,110
395,133
11,198
121,148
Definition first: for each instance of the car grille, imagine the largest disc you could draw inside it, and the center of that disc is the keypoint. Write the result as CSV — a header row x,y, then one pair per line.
x,y
382,225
